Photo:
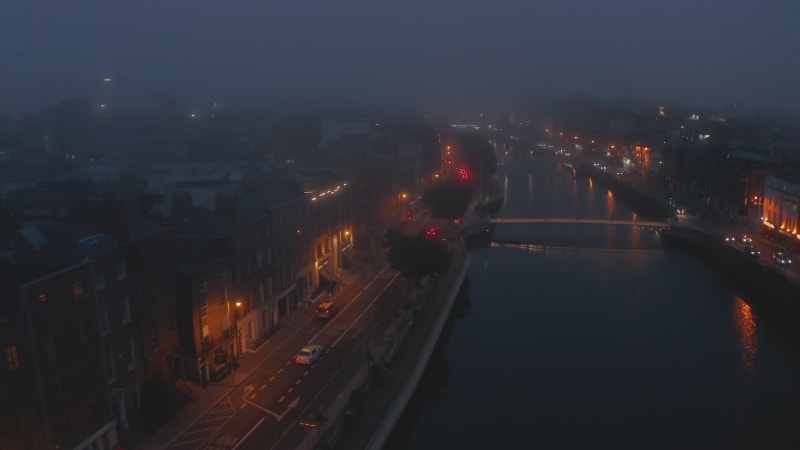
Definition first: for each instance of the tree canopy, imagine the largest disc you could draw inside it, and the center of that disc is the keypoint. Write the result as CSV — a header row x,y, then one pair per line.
x,y
416,256
448,199
476,154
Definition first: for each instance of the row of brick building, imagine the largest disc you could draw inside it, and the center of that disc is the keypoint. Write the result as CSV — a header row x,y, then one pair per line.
x,y
104,310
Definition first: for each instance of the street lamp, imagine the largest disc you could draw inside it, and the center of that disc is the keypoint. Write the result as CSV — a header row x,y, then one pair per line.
x,y
234,345
236,327
238,341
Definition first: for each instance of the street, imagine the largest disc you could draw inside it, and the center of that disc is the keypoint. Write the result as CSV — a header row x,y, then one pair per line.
x,y
264,409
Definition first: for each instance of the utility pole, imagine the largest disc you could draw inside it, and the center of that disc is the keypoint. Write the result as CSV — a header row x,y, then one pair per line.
x,y
233,335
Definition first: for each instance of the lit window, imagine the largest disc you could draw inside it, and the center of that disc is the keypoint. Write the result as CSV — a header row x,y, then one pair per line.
x,y
77,290
12,359
43,298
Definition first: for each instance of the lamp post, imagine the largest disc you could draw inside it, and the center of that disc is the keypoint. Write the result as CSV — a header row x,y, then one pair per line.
x,y
238,344
233,342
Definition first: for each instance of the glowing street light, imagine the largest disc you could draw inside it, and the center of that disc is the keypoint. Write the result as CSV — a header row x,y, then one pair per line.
x,y
233,334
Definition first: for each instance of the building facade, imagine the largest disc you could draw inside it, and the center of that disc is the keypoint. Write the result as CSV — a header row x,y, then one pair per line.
x,y
781,213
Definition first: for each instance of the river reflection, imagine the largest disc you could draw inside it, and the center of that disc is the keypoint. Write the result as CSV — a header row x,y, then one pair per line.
x,y
746,329
583,336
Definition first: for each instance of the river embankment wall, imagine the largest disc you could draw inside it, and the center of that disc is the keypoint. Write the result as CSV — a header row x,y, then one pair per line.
x,y
646,205
398,407
767,286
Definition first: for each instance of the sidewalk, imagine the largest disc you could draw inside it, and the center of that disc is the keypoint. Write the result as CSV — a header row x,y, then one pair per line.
x,y
400,344
382,401
205,398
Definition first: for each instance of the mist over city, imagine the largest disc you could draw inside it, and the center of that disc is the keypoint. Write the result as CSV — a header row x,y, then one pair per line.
x,y
350,224
417,54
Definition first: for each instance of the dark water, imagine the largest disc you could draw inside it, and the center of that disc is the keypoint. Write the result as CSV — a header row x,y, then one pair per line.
x,y
597,336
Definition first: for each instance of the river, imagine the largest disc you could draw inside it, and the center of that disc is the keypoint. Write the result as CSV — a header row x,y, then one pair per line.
x,y
599,336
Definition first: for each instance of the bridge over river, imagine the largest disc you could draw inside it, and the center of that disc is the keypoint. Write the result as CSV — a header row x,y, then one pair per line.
x,y
641,223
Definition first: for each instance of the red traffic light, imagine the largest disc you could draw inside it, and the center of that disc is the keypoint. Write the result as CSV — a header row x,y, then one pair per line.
x,y
409,215
432,233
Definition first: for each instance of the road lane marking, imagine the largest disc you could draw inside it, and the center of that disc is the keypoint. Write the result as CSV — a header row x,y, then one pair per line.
x,y
243,405
253,396
262,387
179,443
280,370
244,438
278,417
364,310
290,390
307,372
298,381
271,378
359,294
280,400
288,362
201,430
212,414
206,419
226,440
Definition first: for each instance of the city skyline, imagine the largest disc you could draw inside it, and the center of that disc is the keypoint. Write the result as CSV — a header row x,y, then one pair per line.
x,y
359,53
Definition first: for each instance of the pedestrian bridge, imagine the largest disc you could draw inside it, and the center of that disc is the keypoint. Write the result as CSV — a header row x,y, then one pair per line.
x,y
641,223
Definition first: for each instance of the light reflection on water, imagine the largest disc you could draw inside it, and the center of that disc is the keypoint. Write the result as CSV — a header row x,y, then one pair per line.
x,y
746,328
629,343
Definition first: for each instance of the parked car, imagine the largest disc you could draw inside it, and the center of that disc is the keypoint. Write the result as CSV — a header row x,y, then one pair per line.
x,y
309,355
781,258
751,250
744,239
327,310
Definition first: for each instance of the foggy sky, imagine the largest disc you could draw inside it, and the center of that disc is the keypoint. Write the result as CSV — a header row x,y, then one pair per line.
x,y
259,53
